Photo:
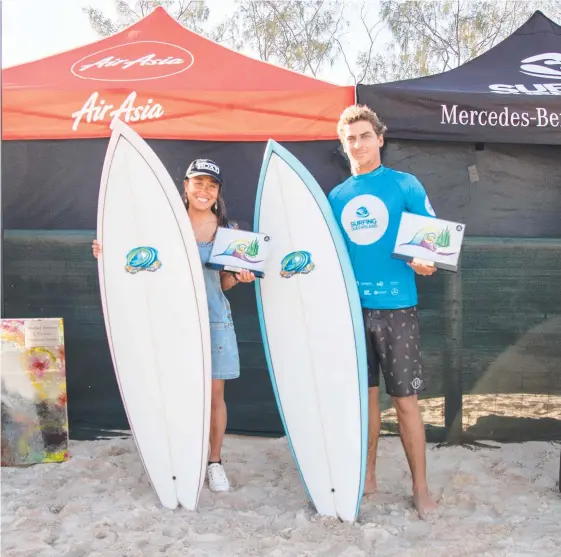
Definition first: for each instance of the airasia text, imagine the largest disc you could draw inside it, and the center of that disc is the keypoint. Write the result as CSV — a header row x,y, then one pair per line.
x,y
97,110
124,63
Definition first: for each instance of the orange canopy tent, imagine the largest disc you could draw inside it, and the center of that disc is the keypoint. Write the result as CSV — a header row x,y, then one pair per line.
x,y
168,83
188,97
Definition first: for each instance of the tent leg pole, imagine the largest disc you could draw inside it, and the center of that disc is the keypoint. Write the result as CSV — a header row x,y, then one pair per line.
x,y
453,357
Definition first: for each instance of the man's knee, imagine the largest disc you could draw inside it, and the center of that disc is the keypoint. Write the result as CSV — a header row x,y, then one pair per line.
x,y
406,405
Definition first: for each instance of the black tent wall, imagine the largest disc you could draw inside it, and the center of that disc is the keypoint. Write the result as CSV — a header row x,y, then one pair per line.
x,y
49,202
508,289
517,192
53,185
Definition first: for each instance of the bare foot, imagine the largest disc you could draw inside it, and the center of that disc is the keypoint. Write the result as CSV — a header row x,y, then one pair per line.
x,y
425,505
370,486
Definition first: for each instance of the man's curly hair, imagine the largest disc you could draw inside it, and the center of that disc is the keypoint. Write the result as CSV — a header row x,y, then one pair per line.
x,y
358,113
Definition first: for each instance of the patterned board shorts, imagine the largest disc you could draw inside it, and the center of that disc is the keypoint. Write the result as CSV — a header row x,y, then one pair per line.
x,y
224,351
393,345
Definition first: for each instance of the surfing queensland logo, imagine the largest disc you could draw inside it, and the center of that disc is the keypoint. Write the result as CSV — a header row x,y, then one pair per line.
x,y
365,219
135,61
142,258
245,250
296,263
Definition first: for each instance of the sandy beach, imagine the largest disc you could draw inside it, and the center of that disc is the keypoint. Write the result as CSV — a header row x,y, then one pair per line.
x,y
493,502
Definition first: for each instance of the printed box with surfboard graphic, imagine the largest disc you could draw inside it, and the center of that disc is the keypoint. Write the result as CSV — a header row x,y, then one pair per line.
x,y
428,239
236,249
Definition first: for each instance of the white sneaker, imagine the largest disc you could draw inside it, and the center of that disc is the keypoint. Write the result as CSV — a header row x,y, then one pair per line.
x,y
217,479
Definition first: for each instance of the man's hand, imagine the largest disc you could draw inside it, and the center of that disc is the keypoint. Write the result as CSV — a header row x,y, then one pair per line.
x,y
422,268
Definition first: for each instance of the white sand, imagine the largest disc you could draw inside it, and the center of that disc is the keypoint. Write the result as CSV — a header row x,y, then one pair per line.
x,y
502,502
481,410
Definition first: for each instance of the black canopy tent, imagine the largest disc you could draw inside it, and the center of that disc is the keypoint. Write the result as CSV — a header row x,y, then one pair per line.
x,y
509,94
485,141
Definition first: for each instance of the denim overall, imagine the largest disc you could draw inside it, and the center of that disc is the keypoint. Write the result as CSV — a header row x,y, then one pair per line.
x,y
225,356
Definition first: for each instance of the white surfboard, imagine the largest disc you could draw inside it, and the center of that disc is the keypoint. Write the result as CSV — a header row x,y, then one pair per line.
x,y
156,316
312,328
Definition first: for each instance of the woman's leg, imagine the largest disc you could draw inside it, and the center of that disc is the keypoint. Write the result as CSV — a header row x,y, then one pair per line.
x,y
217,479
218,418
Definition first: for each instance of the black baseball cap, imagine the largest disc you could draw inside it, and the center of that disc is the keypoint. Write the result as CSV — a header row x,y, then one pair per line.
x,y
204,167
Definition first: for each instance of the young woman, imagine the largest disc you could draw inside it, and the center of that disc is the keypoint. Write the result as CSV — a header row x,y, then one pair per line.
x,y
207,211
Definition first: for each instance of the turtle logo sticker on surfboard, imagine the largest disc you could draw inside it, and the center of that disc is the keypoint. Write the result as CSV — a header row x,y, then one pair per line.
x,y
142,259
297,263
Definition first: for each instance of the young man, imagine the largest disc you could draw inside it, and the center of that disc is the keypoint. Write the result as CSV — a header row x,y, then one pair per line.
x,y
368,207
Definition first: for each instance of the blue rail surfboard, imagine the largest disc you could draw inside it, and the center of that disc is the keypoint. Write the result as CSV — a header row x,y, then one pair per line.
x,y
313,333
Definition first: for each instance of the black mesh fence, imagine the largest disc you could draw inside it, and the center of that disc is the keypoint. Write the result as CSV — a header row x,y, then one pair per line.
x,y
492,343
491,338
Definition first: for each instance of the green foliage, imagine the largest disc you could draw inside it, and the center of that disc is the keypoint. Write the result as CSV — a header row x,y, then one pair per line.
x,y
431,37
299,35
428,37
191,13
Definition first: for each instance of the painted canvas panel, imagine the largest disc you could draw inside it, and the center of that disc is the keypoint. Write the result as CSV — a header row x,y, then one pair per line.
x,y
34,406
435,240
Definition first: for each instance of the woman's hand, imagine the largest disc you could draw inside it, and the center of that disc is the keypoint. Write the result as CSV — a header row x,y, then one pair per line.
x,y
229,280
96,249
245,276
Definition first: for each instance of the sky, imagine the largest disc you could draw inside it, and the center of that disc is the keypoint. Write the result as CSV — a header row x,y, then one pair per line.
x,y
34,29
